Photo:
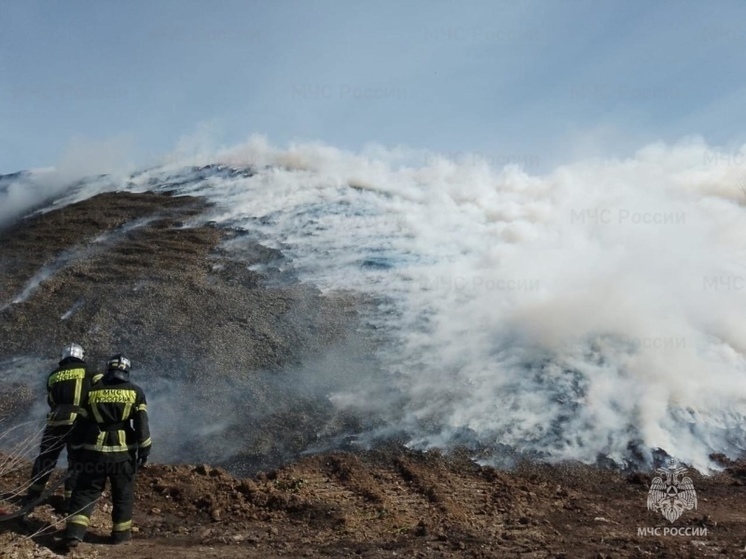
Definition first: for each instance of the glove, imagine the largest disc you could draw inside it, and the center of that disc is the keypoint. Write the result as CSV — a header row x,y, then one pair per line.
x,y
142,457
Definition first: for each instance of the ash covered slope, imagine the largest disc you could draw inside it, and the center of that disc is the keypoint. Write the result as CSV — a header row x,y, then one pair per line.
x,y
547,316
226,362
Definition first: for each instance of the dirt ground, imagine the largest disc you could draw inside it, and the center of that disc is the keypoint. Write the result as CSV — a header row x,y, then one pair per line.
x,y
394,502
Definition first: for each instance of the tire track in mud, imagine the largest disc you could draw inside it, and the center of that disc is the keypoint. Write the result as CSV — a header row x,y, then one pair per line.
x,y
409,494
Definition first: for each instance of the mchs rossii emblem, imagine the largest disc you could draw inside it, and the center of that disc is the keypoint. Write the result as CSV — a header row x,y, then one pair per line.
x,y
672,494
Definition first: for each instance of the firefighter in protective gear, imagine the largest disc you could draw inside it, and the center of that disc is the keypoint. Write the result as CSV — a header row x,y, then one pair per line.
x,y
112,439
67,388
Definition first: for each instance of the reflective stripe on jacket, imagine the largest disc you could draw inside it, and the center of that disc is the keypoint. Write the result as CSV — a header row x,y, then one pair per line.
x,y
114,422
67,388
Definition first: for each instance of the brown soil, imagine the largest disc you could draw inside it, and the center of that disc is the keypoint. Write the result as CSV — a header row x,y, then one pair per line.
x,y
397,503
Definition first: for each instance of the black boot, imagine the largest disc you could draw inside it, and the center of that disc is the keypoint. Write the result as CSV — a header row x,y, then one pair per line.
x,y
121,537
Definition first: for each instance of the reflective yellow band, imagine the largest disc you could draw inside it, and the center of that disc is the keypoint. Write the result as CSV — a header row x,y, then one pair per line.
x,y
99,446
146,442
142,407
97,378
122,526
68,494
81,519
107,448
112,396
78,391
72,374
97,413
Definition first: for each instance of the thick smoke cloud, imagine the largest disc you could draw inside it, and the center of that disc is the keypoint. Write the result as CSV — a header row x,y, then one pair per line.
x,y
595,310
592,311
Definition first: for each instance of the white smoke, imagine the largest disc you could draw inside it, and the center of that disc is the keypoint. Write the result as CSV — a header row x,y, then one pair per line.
x,y
19,194
574,314
81,158
595,310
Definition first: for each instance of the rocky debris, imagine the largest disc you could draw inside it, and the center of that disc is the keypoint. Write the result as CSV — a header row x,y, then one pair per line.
x,y
14,547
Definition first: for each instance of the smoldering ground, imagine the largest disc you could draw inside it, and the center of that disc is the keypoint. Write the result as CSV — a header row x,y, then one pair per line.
x,y
238,366
586,312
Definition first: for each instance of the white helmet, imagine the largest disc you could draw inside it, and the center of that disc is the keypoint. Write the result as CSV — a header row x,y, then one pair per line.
x,y
72,350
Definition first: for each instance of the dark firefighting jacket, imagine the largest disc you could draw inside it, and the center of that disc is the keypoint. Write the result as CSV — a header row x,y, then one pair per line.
x,y
114,423
67,388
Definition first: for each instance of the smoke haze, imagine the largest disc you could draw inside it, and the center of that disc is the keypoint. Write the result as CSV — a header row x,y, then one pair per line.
x,y
595,310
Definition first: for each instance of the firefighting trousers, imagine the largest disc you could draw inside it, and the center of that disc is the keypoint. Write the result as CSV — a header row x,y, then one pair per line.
x,y
92,478
54,439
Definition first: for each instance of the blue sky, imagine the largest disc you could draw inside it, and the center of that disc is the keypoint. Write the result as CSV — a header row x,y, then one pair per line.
x,y
537,82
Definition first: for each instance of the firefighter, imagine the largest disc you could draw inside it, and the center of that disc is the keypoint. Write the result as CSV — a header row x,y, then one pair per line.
x,y
67,388
111,440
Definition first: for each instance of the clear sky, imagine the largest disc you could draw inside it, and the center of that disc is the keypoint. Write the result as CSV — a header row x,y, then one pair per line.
x,y
535,82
